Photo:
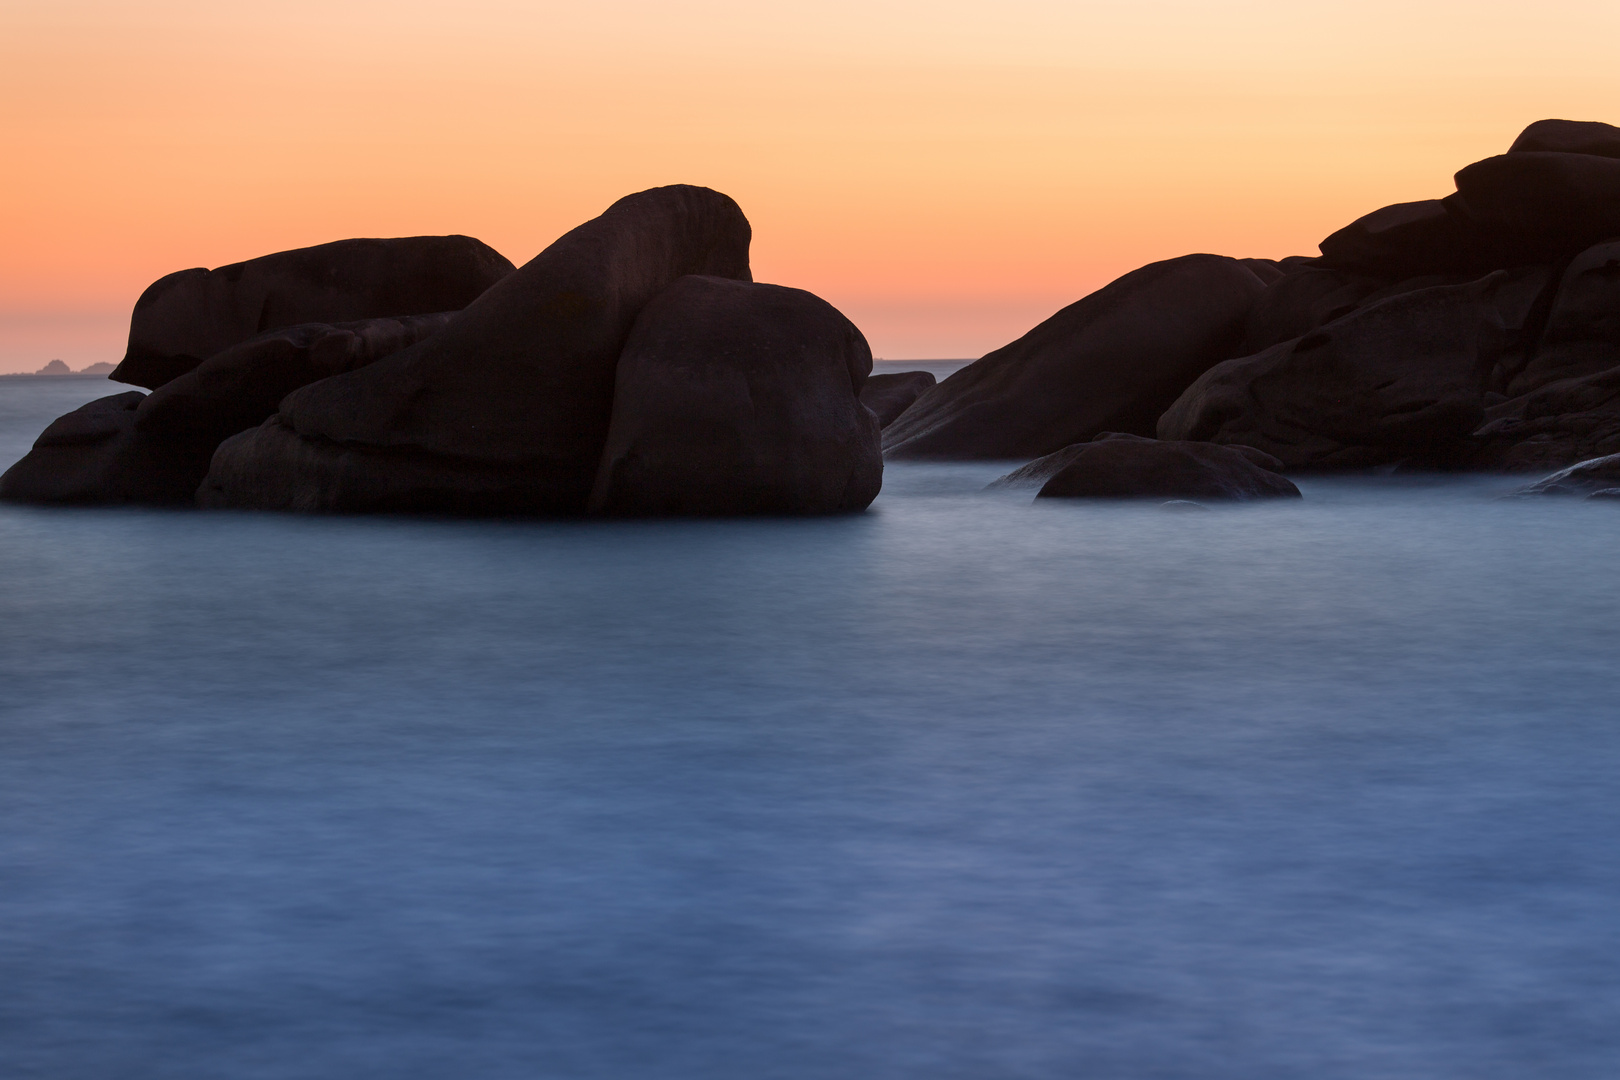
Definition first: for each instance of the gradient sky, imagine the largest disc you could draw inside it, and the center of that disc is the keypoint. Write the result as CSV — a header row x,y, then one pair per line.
x,y
946,173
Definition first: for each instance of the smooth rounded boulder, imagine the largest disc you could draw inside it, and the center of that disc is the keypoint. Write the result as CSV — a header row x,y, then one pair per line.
x,y
1569,137
188,316
892,393
506,409
1112,361
94,455
1116,466
737,398
1409,240
1543,205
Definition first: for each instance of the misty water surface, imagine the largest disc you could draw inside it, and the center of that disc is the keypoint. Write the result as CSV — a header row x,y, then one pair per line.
x,y
960,787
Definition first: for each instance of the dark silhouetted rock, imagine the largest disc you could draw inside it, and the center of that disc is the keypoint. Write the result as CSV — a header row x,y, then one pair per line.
x,y
1268,270
241,387
892,393
736,398
1556,425
1583,478
1542,206
188,316
1569,137
1298,303
505,410
1400,379
95,455
1039,471
1125,467
1409,240
1110,362
1582,332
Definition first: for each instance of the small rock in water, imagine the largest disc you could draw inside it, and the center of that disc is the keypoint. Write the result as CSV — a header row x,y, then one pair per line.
x,y
1182,504
1606,493
1121,466
1583,478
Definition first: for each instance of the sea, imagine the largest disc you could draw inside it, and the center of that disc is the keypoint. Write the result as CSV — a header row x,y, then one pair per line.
x,y
964,786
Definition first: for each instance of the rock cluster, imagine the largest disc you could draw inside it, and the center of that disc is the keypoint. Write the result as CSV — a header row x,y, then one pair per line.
x,y
632,367
1480,330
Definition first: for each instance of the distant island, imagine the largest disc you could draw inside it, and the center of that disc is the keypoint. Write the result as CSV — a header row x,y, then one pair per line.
x,y
57,367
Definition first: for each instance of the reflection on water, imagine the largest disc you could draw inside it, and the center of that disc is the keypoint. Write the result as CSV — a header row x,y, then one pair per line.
x,y
961,787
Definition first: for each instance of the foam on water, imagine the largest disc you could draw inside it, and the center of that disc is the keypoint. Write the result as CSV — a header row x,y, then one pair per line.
x,y
960,787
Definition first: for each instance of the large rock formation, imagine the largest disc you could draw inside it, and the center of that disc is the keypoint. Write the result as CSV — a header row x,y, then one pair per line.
x,y
890,394
95,455
505,410
156,448
1567,421
1120,466
242,386
736,398
1299,302
1400,379
1582,331
188,316
1110,362
1523,354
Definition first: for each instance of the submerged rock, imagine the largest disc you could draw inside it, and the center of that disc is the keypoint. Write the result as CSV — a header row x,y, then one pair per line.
x,y
1118,466
95,455
188,316
736,398
890,394
506,409
1110,362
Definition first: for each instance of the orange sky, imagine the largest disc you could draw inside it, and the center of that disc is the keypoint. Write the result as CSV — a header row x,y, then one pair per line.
x,y
946,173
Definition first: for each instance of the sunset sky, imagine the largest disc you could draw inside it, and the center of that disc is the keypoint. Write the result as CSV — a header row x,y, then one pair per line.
x,y
946,173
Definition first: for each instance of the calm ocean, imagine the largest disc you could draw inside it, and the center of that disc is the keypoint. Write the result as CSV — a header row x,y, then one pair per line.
x,y
962,787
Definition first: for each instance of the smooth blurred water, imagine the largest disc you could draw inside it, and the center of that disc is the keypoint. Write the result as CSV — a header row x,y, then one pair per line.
x,y
960,787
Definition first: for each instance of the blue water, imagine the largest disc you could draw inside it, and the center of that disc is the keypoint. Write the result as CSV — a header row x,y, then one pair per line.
x,y
961,787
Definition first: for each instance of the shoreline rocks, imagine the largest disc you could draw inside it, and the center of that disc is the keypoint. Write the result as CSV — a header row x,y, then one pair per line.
x,y
506,409
1477,330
